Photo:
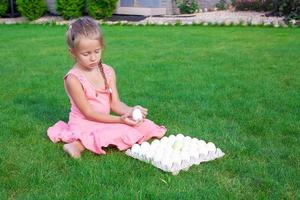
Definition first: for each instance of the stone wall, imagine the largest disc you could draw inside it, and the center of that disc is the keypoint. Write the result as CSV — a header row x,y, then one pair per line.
x,y
207,4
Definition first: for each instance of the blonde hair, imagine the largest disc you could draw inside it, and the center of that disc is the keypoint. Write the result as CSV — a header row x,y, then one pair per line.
x,y
85,27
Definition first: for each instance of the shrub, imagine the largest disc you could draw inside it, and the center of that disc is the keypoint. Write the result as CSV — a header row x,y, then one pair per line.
x,y
3,7
295,12
233,3
32,9
288,8
248,5
256,5
69,9
99,9
187,6
222,5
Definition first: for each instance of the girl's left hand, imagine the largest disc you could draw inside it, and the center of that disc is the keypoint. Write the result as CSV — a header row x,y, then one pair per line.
x,y
142,109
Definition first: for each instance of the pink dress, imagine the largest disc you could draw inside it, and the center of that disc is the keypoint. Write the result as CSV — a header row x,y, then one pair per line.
x,y
95,135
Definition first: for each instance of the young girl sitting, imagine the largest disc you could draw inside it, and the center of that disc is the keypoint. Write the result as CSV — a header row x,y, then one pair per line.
x,y
92,90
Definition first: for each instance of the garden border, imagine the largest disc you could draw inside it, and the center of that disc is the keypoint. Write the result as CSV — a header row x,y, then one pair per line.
x,y
216,18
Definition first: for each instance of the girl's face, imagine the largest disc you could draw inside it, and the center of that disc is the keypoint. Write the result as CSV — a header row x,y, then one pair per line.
x,y
87,53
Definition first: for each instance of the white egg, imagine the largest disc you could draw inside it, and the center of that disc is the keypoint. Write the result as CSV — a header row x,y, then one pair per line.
x,y
172,137
157,158
187,138
203,151
164,140
153,147
149,155
194,156
155,143
137,114
144,149
210,155
167,151
201,143
193,146
177,146
179,136
195,141
186,143
145,146
185,148
159,150
194,153
176,160
185,164
167,164
219,153
185,156
170,142
175,173
135,148
128,152
211,147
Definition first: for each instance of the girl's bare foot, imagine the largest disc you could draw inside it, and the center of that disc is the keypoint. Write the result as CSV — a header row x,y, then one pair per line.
x,y
72,149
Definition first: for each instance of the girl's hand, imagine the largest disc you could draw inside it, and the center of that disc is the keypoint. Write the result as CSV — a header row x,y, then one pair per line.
x,y
143,110
126,119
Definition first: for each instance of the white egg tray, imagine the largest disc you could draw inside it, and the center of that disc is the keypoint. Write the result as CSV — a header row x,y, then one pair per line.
x,y
175,153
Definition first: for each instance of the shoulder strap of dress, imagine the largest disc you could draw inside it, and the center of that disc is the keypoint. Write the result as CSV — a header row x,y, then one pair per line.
x,y
108,71
79,76
75,73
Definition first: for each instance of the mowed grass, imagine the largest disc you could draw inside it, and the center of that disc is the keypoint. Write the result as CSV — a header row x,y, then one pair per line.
x,y
238,87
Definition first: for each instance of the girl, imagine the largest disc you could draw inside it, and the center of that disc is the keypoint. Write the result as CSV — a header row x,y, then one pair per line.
x,y
92,90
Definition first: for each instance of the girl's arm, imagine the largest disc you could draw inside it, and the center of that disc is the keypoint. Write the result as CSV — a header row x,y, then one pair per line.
x,y
117,105
75,90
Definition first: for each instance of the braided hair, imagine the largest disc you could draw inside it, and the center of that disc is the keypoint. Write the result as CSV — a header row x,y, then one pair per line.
x,y
104,76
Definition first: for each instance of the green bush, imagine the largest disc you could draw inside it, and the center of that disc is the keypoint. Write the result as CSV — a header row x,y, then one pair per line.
x,y
99,9
3,7
288,8
248,5
187,6
32,9
256,5
233,3
69,9
222,5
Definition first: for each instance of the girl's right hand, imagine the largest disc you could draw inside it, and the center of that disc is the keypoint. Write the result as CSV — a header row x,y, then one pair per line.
x,y
129,121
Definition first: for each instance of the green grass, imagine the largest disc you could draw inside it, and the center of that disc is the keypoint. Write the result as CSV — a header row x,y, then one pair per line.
x,y
238,87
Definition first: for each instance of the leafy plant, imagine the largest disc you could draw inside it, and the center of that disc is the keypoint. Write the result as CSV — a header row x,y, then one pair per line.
x,y
222,5
233,3
99,9
187,6
3,7
32,9
288,8
69,9
248,5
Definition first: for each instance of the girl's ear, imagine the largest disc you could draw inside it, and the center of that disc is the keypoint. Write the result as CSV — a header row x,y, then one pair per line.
x,y
72,52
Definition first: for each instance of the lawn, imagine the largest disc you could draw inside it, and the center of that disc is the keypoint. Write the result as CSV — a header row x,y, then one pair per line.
x,y
238,87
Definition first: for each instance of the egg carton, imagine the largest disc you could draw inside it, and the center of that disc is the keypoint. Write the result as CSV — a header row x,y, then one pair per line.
x,y
175,153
